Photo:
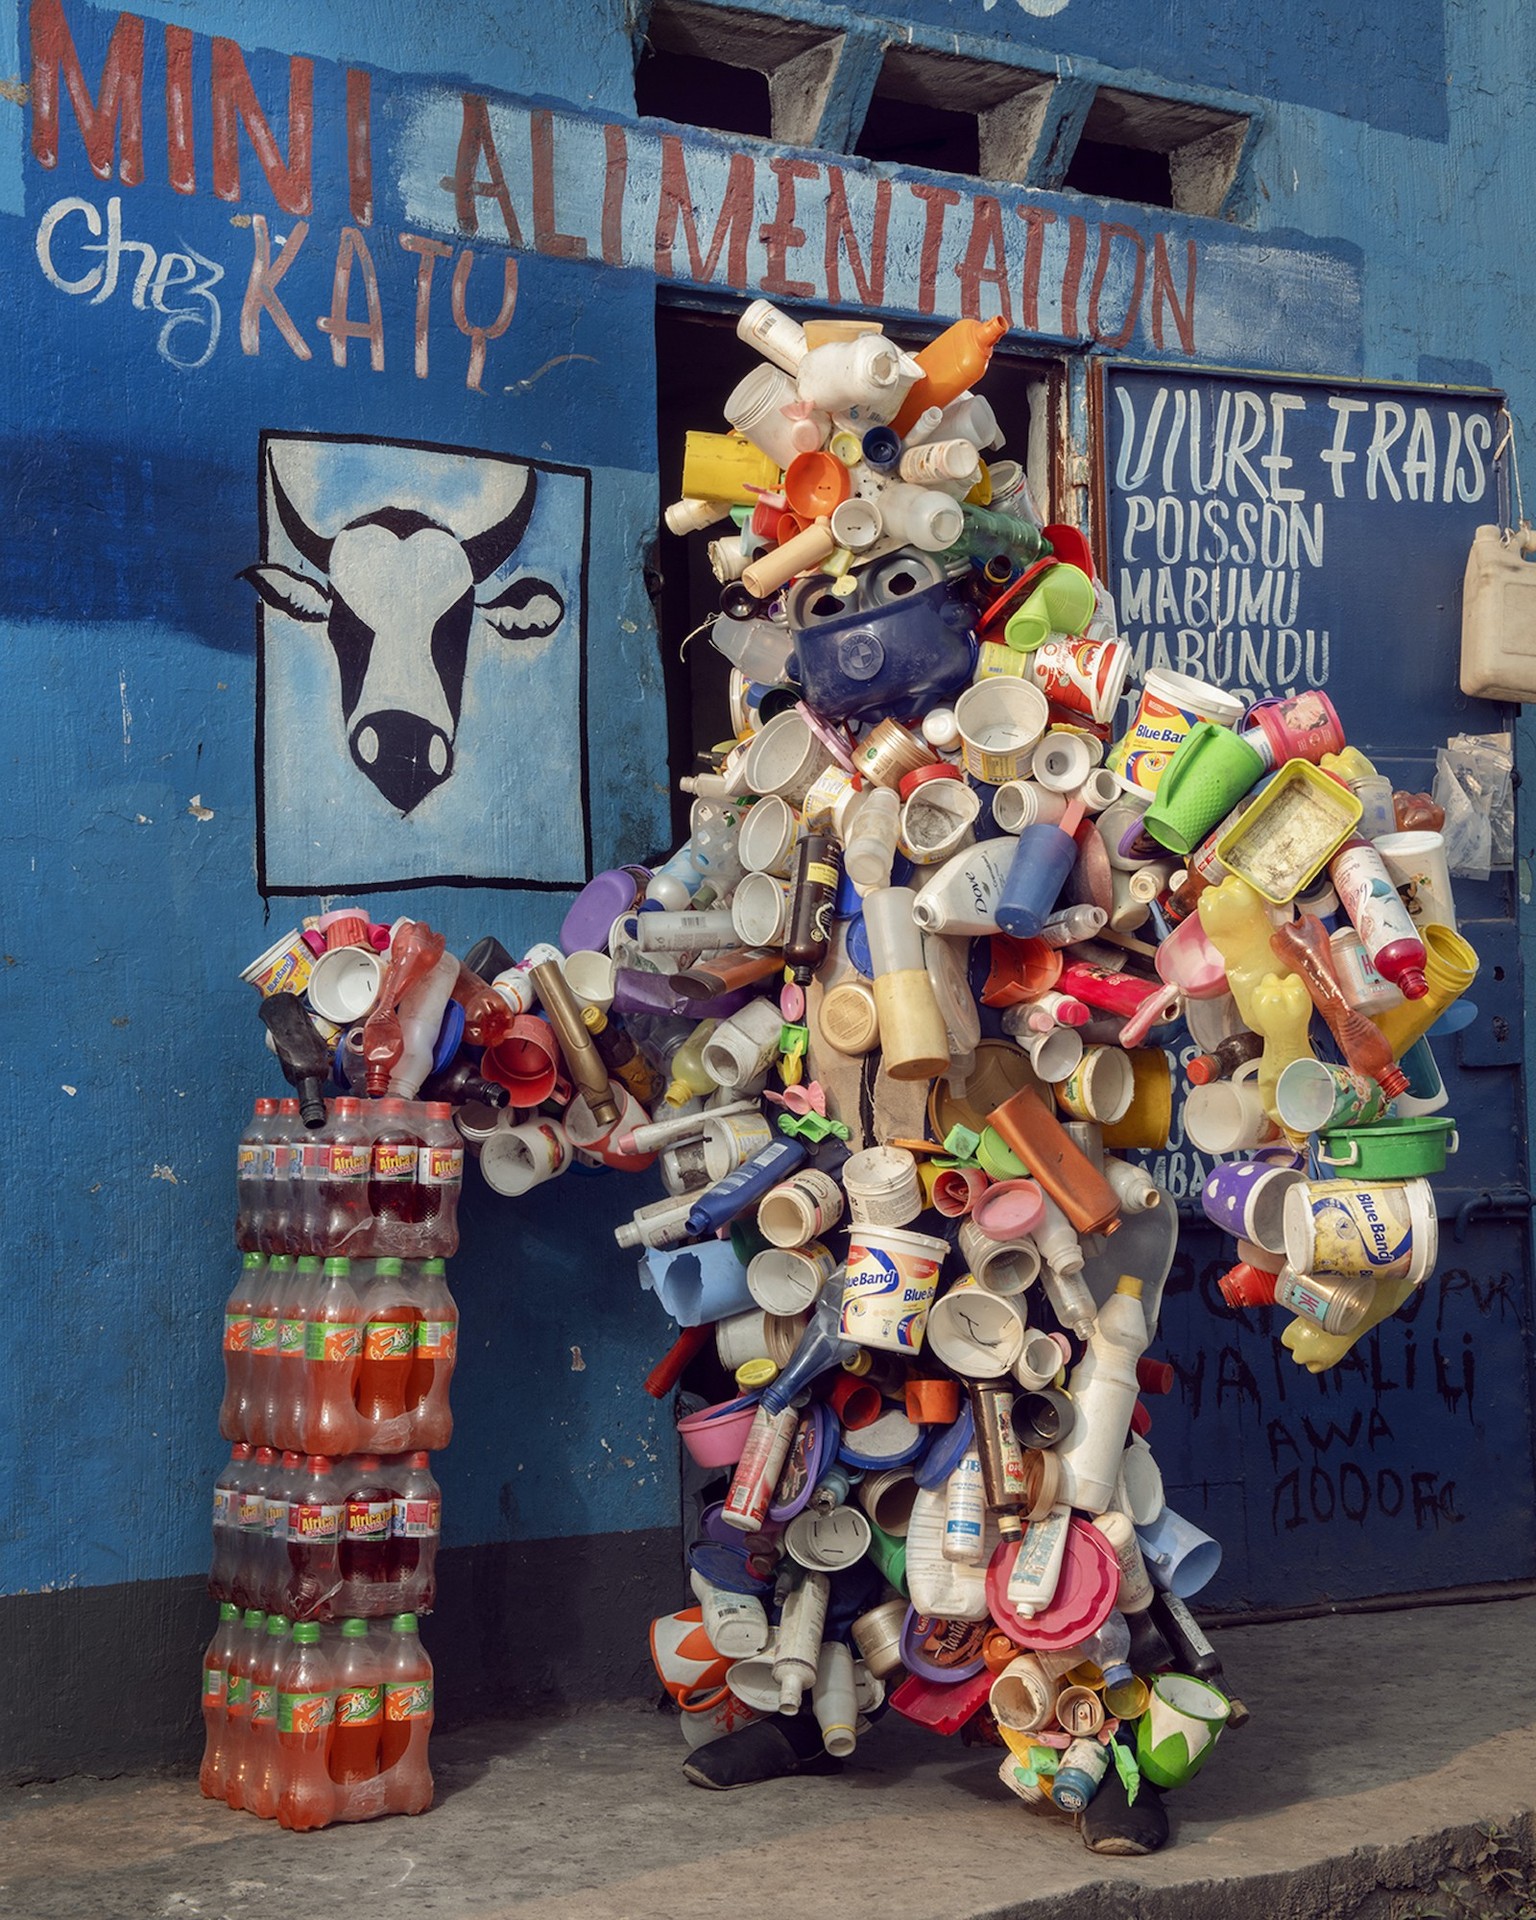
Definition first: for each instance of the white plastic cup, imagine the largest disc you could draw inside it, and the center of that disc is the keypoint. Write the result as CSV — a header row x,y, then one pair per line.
x,y
589,976
889,1285
768,835
856,523
787,1279
1001,722
786,757
1099,1087
882,1187
937,819
977,1333
741,1337
756,410
1000,1266
1038,1363
760,910
1062,761
344,984
1053,1054
1228,1115
1417,866
514,1160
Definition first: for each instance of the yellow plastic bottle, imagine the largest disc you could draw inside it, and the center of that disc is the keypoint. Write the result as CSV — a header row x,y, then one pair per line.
x,y
1238,928
1450,967
690,1078
950,364
1282,1013
1317,1351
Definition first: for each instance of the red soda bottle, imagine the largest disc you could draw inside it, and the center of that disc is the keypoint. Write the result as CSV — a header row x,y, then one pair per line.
x,y
390,1318
365,1530
278,1235
261,1352
333,1351
253,1575
407,1719
284,1485
314,1541
343,1194
237,1342
237,1704
261,1757
306,1711
394,1199
287,1395
437,1346
414,1533
311,1170
216,1658
228,1493
439,1177
359,1729
251,1175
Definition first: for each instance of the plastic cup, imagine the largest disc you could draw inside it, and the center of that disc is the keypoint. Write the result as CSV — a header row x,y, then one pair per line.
x,y
526,1063
1246,1198
1063,602
1301,726
1001,723
1082,676
1181,1725
1170,704
1416,864
766,840
515,1159
786,1279
756,410
1209,774
1144,1125
346,927
976,1333
344,983
1100,1087
285,967
1384,1228
1000,1266
1054,1054
889,1285
760,910
785,757
1228,1116
815,483
590,977
1180,1558
1313,1095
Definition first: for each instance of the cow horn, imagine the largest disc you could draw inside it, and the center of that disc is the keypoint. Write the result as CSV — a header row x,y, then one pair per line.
x,y
488,551
305,540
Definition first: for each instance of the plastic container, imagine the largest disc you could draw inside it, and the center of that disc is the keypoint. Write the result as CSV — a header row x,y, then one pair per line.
x,y
1354,1228
1001,722
715,1436
1290,832
889,1286
882,1187
1170,704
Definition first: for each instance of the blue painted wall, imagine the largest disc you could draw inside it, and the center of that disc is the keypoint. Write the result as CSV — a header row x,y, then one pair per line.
x,y
1389,239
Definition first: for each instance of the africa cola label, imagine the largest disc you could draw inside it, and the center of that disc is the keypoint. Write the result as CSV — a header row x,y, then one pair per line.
x,y
313,1520
359,1706
394,1160
315,1160
440,1167
408,1700
368,1521
350,1160
305,1712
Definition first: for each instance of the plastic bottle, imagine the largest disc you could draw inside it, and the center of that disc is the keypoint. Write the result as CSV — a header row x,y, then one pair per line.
x,y
957,359
314,1541
718,1205
237,1704
797,1646
285,1484
818,870
741,1050
691,1079
1002,1458
1104,1388
962,896
820,1348
1070,925
913,1038
421,1019
734,1623
407,1719
834,1699
622,1058
1224,1059
437,1350
440,1177
310,1161
228,1491
216,1658
1304,945
390,1319
414,1533
358,1731
773,333
333,1348
252,1173
581,1057
1080,1775
363,1554
414,950
261,1352
1282,1012
965,1511
1042,859
238,1309
341,1200
1135,1594
1237,926
1372,902
1037,1567
306,1712
277,1233
288,1394
395,1201
870,850
1191,1650
262,1771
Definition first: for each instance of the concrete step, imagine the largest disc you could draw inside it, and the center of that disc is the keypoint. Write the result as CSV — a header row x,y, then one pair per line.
x,y
1382,1749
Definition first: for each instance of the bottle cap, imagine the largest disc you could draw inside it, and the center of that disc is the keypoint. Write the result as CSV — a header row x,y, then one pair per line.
x,y
753,1375
850,1021
402,1623
388,1266
307,1263
1129,1285
337,1263
287,1108
251,1260
278,1625
228,1610
1203,1069
439,1110
317,1463
354,1629
437,1268
920,776
348,1108
594,1018
1412,984
280,1263
265,1109
307,1633
253,1620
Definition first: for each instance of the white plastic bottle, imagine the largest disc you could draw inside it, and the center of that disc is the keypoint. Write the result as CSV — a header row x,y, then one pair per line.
x,y
962,896
798,1648
1104,1389
871,845
734,1623
743,1047
965,1512
944,1589
913,1037
775,335
1061,1274
421,1019
835,1699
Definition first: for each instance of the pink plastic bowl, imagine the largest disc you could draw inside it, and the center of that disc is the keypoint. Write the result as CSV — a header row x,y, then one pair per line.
x,y
715,1436
1010,1209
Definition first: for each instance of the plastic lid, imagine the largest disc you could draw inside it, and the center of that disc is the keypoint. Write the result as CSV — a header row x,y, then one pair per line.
x,y
317,1463
1084,1597
280,1260
850,1021
266,1108
253,1619
251,1260
1129,1285
292,1457
594,1017
945,1651
402,1623
307,1633
307,1263
752,1375
435,1267
857,940
279,1623
920,776
421,1459
288,1108
892,1441
948,1448
367,1462
338,1263
391,1106
388,1266
354,1629
228,1610
1203,1069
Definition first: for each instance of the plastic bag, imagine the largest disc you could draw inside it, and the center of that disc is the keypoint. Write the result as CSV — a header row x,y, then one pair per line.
x,y
1474,783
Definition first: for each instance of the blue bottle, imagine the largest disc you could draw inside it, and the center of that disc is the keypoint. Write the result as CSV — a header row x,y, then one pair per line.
x,y
1042,860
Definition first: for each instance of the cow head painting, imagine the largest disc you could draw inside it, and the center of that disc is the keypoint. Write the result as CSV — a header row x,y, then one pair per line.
x,y
397,595
421,689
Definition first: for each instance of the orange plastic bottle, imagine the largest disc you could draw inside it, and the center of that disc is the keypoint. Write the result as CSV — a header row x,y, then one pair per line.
x,y
1304,947
1054,1159
359,1729
950,364
407,1719
333,1351
216,1659
237,1705
262,1778
306,1713
390,1320
413,953
437,1346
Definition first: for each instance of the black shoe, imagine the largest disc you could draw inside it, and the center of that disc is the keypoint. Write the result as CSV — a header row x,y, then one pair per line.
x,y
1110,1824
776,1747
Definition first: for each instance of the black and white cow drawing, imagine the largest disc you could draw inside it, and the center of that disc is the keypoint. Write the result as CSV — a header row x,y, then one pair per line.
x,y
398,595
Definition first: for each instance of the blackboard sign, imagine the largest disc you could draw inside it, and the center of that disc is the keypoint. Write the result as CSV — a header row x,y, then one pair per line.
x,y
1272,536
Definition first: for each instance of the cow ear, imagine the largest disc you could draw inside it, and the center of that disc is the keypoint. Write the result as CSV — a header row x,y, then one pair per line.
x,y
292,593
529,609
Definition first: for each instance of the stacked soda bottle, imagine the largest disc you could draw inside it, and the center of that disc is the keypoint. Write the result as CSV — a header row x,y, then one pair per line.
x,y
310,1725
